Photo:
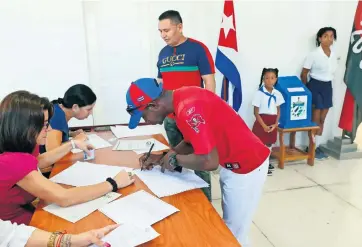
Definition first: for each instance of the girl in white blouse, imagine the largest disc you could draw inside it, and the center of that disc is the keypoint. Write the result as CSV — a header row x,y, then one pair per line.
x,y
321,65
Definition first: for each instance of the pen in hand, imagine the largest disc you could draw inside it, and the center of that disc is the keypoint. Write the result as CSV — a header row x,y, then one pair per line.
x,y
148,155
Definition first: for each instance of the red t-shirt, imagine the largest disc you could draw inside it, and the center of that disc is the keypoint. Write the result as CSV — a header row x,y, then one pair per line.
x,y
14,201
206,121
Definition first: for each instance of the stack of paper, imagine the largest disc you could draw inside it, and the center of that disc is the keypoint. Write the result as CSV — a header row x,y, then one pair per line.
x,y
129,235
123,131
170,183
96,141
139,208
78,212
139,146
84,173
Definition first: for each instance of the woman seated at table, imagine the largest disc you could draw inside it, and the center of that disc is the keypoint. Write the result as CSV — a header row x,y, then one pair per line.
x,y
13,235
24,120
78,102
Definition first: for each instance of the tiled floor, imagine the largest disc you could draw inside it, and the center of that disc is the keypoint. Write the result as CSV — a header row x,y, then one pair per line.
x,y
305,206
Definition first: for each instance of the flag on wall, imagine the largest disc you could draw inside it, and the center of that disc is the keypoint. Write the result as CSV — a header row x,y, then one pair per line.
x,y
226,57
353,74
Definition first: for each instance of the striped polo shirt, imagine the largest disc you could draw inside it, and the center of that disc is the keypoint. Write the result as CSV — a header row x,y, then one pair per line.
x,y
183,65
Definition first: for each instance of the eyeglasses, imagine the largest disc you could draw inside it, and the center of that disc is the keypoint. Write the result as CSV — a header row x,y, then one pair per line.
x,y
46,126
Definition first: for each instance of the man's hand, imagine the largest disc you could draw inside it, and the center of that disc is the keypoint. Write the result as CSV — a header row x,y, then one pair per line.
x,y
165,163
152,161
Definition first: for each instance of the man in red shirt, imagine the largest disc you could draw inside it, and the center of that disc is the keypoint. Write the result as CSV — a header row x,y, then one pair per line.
x,y
183,62
214,135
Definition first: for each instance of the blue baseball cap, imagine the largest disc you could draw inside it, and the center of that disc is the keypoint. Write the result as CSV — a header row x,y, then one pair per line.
x,y
139,94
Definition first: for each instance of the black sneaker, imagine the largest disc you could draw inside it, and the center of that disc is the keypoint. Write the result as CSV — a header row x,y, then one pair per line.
x,y
270,173
271,167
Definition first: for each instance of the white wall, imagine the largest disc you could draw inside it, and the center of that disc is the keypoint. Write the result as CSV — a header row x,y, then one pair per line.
x,y
113,42
270,34
42,47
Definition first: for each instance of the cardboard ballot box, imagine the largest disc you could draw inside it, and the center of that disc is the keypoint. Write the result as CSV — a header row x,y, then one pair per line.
x,y
296,112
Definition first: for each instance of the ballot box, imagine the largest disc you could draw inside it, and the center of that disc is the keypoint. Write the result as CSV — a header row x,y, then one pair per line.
x,y
296,112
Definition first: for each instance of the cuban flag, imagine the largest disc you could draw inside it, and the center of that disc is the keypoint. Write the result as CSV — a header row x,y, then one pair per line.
x,y
228,76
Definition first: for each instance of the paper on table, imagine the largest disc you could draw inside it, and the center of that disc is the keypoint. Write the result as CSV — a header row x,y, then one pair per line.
x,y
133,144
84,173
140,145
139,208
78,212
129,235
123,131
96,141
170,183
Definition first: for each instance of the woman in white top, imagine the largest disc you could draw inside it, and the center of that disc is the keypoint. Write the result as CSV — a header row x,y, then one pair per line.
x,y
321,65
14,235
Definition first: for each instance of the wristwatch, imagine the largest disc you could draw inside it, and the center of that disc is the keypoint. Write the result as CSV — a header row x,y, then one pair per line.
x,y
172,160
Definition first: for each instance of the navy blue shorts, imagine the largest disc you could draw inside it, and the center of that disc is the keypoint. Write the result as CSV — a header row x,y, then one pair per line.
x,y
322,93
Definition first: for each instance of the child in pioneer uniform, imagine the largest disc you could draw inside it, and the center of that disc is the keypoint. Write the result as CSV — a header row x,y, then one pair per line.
x,y
266,102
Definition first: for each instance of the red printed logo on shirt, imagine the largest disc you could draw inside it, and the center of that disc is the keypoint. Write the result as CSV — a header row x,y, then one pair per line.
x,y
195,122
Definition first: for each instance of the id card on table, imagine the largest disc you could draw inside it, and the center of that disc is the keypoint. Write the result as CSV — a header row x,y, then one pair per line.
x,y
89,157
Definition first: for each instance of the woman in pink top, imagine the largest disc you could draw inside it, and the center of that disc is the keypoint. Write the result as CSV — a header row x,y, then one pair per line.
x,y
24,120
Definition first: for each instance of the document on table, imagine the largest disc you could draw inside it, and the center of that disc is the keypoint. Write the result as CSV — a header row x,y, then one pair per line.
x,y
78,212
84,173
139,146
139,208
170,183
123,131
130,235
96,141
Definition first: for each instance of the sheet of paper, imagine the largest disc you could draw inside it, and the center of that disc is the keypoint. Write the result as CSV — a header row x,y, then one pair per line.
x,y
84,173
129,235
170,183
78,212
295,89
142,146
123,131
96,141
139,208
122,145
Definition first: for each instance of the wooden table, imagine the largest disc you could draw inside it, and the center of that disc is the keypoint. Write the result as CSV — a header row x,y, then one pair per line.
x,y
197,223
291,153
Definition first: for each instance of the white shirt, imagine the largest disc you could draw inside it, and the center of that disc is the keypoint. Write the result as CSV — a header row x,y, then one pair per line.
x,y
14,235
261,101
321,66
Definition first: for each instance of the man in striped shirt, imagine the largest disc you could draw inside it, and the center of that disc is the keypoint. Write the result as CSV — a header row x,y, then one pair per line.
x,y
183,62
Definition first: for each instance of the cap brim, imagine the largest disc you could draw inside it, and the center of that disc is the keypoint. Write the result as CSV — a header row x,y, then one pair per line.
x,y
135,119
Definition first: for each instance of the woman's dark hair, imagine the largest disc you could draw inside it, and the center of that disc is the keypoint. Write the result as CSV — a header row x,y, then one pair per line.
x,y
21,121
78,94
322,31
265,70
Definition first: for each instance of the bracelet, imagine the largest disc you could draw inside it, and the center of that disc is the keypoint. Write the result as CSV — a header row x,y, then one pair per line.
x,y
113,183
60,240
73,144
51,241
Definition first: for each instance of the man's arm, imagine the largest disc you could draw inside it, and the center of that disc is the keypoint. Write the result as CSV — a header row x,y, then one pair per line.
x,y
209,81
184,148
207,68
205,162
